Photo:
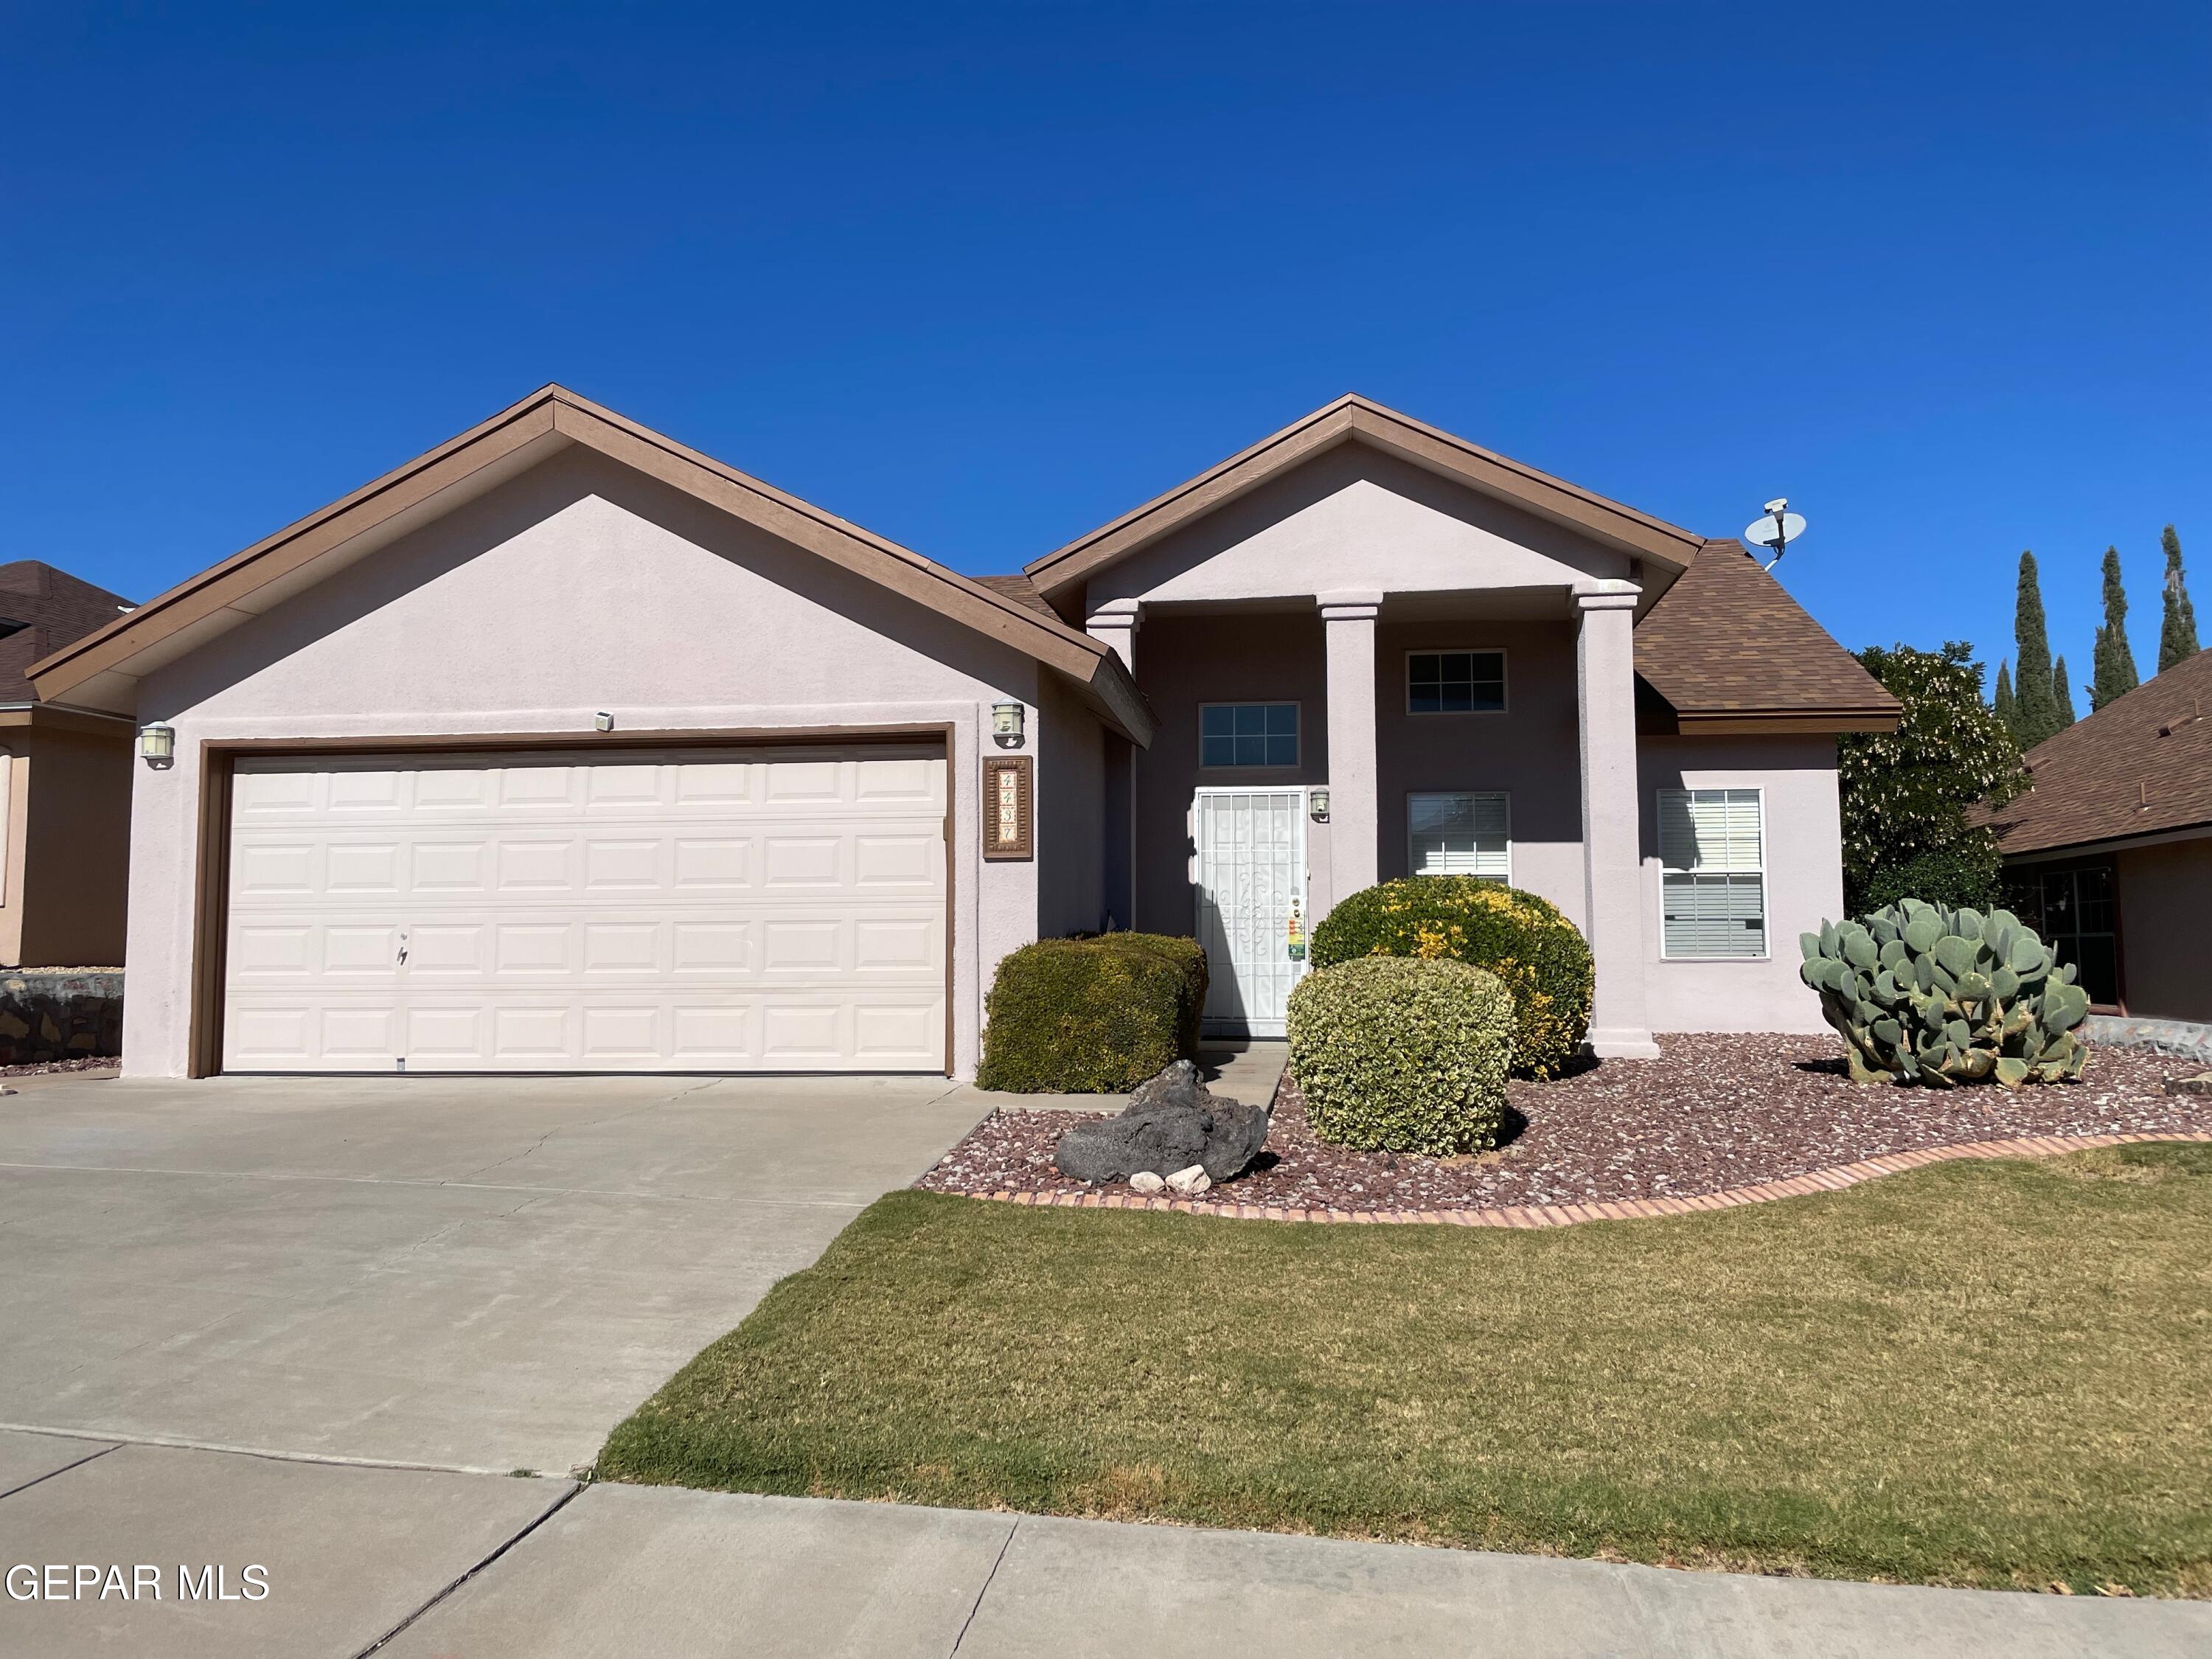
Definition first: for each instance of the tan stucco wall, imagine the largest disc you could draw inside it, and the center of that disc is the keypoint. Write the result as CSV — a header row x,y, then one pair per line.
x,y
2166,928
1071,813
1185,660
1804,879
67,886
1529,751
578,588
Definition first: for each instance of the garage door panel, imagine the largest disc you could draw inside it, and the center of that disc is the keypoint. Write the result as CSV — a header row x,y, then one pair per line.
x,y
665,913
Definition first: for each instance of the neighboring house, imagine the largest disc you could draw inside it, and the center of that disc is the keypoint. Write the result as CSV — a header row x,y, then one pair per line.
x,y
64,784
564,747
2109,854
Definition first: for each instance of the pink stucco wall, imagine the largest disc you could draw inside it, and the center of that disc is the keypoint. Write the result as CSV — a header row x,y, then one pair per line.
x,y
1804,879
578,588
2166,922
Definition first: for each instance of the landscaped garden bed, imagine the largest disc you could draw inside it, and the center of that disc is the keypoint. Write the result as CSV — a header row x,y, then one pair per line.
x,y
1713,1112
1976,1373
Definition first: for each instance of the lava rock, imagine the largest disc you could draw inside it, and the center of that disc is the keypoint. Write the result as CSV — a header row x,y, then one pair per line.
x,y
1170,1124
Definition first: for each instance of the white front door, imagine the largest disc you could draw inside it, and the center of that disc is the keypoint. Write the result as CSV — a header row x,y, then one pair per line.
x,y
692,910
1251,880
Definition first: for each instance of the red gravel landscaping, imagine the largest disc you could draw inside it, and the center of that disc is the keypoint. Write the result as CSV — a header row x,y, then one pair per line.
x,y
1713,1112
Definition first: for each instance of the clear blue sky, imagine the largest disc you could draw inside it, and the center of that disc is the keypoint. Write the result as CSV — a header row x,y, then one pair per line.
x,y
980,278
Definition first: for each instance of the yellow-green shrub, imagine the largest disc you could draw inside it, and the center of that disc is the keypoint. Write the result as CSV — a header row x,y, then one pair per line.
x,y
1395,1054
1523,939
1092,1016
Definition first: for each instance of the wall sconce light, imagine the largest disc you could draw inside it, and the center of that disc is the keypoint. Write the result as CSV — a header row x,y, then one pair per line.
x,y
157,745
602,721
1006,724
1317,804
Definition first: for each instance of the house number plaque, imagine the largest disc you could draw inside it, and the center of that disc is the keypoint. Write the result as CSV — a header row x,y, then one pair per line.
x,y
1009,808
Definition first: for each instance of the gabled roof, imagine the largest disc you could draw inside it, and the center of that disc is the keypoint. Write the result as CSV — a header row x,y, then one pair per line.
x,y
101,669
55,608
2142,765
1352,418
1726,646
1022,591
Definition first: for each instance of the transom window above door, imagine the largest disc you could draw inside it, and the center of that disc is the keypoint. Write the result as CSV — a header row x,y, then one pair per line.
x,y
1248,734
1460,834
1454,682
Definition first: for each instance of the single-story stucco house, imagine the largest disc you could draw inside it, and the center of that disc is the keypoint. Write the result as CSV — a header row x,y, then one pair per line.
x,y
564,747
64,784
2109,854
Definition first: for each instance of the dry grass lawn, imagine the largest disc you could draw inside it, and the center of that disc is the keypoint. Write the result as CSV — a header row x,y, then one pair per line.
x,y
1978,1373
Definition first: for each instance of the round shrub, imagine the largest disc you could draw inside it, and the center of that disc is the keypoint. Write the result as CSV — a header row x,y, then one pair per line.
x,y
1402,1055
1523,939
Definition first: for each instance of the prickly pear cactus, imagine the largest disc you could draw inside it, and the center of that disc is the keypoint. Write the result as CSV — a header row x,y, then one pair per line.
x,y
1922,994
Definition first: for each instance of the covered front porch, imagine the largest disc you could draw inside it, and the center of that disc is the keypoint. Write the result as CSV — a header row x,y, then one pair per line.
x,y
1309,747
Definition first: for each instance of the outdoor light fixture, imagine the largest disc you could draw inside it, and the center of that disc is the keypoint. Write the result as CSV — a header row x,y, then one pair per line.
x,y
1006,724
1317,804
602,721
157,744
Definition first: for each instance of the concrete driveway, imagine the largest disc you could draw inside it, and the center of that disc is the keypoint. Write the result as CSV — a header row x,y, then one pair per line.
x,y
473,1274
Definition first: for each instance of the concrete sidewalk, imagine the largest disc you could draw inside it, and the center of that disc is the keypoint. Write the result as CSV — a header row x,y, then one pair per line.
x,y
422,1565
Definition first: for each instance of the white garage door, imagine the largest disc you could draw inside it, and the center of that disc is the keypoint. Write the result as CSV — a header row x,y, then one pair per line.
x,y
688,911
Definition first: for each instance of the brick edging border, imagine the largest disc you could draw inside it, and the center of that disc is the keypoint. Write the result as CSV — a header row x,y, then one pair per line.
x,y
1635,1209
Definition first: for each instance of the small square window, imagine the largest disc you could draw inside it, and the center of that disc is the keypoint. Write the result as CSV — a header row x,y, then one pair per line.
x,y
1454,682
1248,734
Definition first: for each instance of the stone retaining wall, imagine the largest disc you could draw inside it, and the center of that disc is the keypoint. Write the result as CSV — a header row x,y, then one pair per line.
x,y
2185,1039
50,1014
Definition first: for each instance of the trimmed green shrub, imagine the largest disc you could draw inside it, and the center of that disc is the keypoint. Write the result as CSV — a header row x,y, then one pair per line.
x,y
1398,1054
1189,957
1092,1016
1523,939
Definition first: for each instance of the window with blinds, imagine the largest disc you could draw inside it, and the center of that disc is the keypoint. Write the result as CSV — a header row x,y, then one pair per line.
x,y
1460,834
1713,853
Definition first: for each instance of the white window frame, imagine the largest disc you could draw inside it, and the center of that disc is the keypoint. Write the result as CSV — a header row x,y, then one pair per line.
x,y
1765,952
1505,685
1253,702
1413,858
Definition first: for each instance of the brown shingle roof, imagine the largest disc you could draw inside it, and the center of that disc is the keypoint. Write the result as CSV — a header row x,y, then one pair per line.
x,y
1021,590
1727,644
2140,765
59,610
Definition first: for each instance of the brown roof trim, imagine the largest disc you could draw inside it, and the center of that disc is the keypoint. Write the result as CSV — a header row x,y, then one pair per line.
x,y
56,717
1353,417
554,413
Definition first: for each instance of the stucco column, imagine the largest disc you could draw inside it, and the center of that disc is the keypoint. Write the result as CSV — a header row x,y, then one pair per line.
x,y
1115,624
1348,626
1613,909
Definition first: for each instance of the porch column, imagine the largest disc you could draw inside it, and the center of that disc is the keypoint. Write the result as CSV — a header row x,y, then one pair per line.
x,y
1613,884
1115,623
1348,626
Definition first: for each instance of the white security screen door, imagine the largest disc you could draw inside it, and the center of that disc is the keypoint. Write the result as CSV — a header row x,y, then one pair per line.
x,y
627,911
1251,873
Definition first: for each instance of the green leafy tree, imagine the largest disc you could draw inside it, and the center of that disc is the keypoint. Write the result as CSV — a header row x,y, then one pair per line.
x,y
2115,661
2177,638
2062,694
2003,705
1905,793
2035,708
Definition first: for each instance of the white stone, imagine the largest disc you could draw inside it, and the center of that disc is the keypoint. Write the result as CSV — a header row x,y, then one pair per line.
x,y
1146,1182
1190,1182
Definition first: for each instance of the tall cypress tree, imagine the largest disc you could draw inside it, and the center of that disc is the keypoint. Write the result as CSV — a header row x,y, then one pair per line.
x,y
2177,639
2035,709
2062,696
2001,703
2115,660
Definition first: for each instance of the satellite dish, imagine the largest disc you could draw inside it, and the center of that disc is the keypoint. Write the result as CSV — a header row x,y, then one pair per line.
x,y
1776,531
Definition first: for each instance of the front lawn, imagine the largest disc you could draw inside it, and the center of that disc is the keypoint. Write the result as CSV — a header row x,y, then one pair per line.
x,y
1984,1373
